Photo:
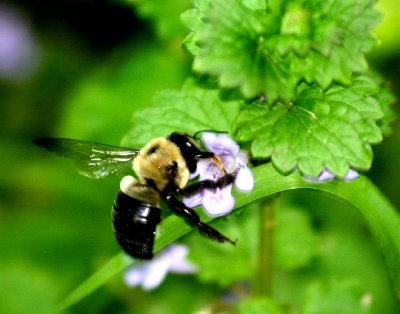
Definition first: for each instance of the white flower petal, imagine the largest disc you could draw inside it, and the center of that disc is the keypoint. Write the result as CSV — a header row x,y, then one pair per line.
x,y
183,267
245,180
194,200
218,202
135,275
156,271
243,157
229,162
179,263
325,175
220,144
209,139
351,175
210,171
150,274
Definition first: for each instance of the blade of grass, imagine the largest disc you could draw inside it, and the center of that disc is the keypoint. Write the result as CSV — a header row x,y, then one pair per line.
x,y
380,215
115,265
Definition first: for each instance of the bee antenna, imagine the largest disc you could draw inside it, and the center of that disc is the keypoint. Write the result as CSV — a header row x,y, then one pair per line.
x,y
195,135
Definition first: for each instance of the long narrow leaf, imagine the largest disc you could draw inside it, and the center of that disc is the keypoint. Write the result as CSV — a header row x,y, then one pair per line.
x,y
380,215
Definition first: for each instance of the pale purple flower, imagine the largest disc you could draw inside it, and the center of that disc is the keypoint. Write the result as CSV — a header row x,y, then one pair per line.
x,y
18,48
219,202
150,274
326,175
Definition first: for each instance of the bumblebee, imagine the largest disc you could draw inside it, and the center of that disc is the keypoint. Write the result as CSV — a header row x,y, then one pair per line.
x,y
162,167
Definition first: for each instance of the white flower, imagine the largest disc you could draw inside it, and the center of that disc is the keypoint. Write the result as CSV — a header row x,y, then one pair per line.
x,y
219,201
151,273
326,175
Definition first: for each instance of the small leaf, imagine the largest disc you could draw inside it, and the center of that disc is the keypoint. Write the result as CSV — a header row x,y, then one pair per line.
x,y
386,100
189,110
321,130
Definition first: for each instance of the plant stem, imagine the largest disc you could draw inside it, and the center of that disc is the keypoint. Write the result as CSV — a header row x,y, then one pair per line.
x,y
264,275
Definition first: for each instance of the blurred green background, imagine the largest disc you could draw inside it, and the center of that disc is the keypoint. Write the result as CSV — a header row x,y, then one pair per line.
x,y
80,69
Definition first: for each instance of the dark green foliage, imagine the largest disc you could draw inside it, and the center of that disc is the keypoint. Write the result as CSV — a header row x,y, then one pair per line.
x,y
289,80
269,50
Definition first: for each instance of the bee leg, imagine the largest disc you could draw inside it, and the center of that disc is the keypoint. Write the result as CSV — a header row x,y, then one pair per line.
x,y
193,219
204,155
208,184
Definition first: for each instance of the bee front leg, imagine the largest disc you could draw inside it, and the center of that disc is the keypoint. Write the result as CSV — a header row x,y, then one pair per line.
x,y
208,184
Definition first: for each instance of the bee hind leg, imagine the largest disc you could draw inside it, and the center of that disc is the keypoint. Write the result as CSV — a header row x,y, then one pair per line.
x,y
193,219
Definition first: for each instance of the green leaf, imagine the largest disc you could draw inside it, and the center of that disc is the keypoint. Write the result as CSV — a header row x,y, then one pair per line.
x,y
190,109
269,51
255,4
382,219
338,38
229,46
386,100
321,130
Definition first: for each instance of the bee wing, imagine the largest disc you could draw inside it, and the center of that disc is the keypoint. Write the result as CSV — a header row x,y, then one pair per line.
x,y
91,159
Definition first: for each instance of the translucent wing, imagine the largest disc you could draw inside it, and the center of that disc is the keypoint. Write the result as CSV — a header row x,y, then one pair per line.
x,y
91,159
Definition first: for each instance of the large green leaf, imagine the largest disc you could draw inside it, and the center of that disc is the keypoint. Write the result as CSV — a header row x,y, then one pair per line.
x,y
330,129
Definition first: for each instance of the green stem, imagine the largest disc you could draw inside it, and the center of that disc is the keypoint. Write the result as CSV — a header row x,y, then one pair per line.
x,y
265,269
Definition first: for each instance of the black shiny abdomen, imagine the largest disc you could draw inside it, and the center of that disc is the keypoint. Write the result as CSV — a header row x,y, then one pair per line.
x,y
135,224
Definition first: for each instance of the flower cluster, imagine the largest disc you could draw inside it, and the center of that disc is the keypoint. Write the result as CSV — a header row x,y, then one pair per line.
x,y
219,202
151,273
